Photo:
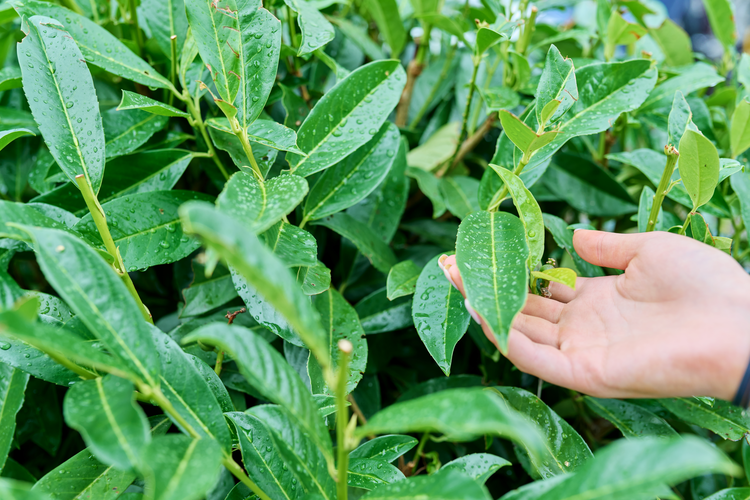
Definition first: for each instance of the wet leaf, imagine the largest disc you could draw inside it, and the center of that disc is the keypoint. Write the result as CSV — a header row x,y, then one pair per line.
x,y
699,167
478,466
8,136
12,387
722,418
369,473
448,486
365,239
402,279
557,83
379,314
384,448
460,195
316,30
632,420
131,100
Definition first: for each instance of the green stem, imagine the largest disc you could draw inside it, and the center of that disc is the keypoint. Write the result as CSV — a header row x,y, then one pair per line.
x,y
424,44
198,122
342,418
100,220
235,469
219,361
504,192
241,134
685,225
467,109
173,65
663,188
137,38
418,453
487,80
292,29
528,29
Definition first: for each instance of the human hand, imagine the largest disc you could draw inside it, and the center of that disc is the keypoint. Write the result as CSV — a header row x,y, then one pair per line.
x,y
676,323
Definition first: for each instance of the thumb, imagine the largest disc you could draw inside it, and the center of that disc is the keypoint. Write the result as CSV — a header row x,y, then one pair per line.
x,y
607,249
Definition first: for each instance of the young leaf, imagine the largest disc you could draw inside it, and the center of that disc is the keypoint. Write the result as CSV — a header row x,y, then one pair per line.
x,y
563,236
261,205
224,139
153,236
12,387
166,19
316,30
217,35
97,45
698,76
721,16
369,473
740,130
699,167
379,314
177,467
63,102
449,486
557,83
491,253
131,100
294,246
126,131
679,118
384,448
529,213
674,42
267,371
8,136
402,279
440,317
517,131
377,252
632,420
621,32
478,466
460,194
355,177
103,410
722,418
260,267
348,116
560,275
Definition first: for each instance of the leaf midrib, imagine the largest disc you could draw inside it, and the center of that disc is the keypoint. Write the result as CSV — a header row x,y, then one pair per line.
x,y
180,470
113,422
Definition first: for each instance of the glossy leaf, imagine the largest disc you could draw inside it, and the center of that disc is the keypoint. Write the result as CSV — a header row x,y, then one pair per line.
x,y
440,317
438,149
131,100
731,494
491,253
126,131
261,205
557,83
449,486
621,32
699,167
180,468
12,388
722,418
355,177
379,314
104,411
10,77
529,213
267,371
166,19
314,279
385,448
679,118
260,268
95,293
402,279
50,56
632,420
18,490
478,466
386,15
316,30
97,45
224,139
153,236
19,213
365,239
460,195
8,136
560,275
740,131
696,77
348,116
369,473
294,246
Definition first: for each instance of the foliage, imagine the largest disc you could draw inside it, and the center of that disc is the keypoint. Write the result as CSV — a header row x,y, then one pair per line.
x,y
301,166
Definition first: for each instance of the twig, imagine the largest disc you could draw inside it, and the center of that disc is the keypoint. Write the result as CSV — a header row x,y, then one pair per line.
x,y
412,73
472,141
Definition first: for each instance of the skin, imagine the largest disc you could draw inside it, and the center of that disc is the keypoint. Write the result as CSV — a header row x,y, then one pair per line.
x,y
676,323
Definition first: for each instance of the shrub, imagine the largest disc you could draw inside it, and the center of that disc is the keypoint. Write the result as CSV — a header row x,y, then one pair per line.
x,y
227,284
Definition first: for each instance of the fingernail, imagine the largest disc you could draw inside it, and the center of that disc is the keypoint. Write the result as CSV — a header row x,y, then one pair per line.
x,y
441,260
447,272
577,229
472,312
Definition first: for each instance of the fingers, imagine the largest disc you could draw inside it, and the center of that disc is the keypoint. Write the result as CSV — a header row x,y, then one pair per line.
x,y
450,268
543,361
537,329
608,249
563,293
542,307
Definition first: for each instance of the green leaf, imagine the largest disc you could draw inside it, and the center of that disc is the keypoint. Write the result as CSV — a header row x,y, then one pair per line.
x,y
365,239
316,30
518,132
679,118
491,253
402,279
436,150
217,35
20,213
557,83
563,236
731,494
261,205
17,490
10,77
12,387
150,236
126,131
113,426
741,185
180,468
267,371
486,37
342,322
478,466
429,184
560,275
369,473
358,35
632,420
740,131
385,448
565,450
460,194
314,279
449,486
641,468
498,98
699,167
674,43
131,100
188,391
166,19
379,314
458,414
95,293
621,32
294,246
249,258
698,76
721,17
440,317
529,213
355,177
224,139
50,58
348,116
386,16
8,136
722,418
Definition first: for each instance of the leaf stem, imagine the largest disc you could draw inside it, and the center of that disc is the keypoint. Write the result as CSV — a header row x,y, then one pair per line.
x,y
685,224
342,417
235,469
417,454
166,405
504,192
663,188
198,122
173,65
241,134
137,38
100,220
467,109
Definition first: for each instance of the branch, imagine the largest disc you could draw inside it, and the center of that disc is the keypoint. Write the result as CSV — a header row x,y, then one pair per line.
x,y
412,73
